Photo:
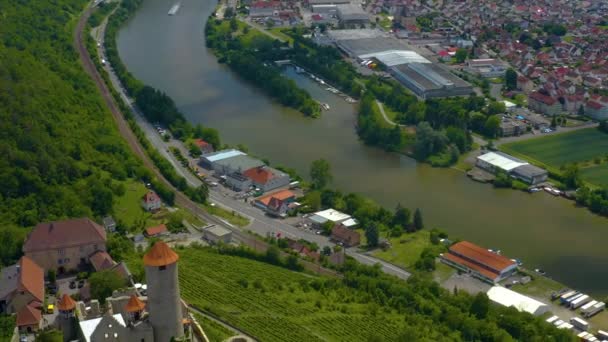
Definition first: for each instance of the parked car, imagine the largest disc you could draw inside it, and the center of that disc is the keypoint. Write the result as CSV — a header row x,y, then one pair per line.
x,y
80,283
73,284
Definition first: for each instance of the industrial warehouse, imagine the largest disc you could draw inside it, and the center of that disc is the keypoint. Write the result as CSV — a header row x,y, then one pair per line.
x,y
423,78
497,161
479,262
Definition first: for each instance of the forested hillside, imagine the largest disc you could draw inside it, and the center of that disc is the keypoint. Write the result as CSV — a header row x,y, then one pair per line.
x,y
62,155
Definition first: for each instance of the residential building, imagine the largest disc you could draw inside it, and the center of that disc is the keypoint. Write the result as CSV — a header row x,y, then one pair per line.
x,y
217,234
151,201
64,245
597,110
345,236
479,262
530,174
277,207
261,9
21,286
159,230
543,103
29,319
204,146
267,178
511,128
429,80
318,219
282,195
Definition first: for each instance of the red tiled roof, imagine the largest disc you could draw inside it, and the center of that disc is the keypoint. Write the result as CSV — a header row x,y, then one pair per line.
x,y
28,316
201,143
548,100
160,255
66,303
473,266
62,234
481,255
31,278
275,203
259,175
340,232
151,196
281,195
135,304
265,4
156,230
594,105
101,261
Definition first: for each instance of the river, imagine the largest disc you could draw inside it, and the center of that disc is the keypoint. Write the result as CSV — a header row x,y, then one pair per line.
x,y
168,52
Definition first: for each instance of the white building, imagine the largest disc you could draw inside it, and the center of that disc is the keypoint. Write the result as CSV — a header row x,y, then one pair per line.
x,y
217,234
334,216
497,161
506,297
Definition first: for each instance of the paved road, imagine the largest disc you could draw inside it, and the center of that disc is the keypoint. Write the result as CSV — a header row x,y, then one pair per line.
x,y
386,118
259,222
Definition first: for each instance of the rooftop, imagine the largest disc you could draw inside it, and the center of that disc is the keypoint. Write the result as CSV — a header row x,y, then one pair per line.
x,y
160,255
218,231
396,57
219,155
239,163
88,327
31,278
481,255
429,76
66,303
262,174
101,261
28,316
506,297
501,160
529,170
156,230
135,304
281,195
62,234
329,215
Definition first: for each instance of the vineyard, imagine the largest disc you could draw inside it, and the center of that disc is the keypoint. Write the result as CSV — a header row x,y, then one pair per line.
x,y
275,304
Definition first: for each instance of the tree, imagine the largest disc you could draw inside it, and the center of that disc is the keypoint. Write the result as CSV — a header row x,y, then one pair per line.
x,y
372,235
174,224
480,305
234,25
461,55
553,121
418,224
50,335
510,79
492,126
320,173
326,250
402,216
104,283
313,200
273,255
571,177
229,12
496,107
52,276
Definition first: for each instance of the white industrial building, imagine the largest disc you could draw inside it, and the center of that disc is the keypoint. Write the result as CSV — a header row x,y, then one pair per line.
x,y
497,161
396,57
319,218
508,298
207,160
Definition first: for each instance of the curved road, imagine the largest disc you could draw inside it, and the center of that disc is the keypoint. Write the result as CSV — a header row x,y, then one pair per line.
x,y
260,223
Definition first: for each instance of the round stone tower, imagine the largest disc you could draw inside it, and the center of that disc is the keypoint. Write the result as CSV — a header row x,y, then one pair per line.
x,y
66,320
164,303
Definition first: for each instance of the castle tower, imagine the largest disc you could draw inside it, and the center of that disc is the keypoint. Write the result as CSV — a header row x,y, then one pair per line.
x,y
164,303
135,309
66,320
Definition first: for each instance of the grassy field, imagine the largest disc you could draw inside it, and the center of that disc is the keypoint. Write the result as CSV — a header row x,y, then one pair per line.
x,y
275,304
405,250
597,174
214,331
562,149
539,287
127,208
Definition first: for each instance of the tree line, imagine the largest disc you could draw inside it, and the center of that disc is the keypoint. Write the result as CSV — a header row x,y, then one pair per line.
x,y
252,55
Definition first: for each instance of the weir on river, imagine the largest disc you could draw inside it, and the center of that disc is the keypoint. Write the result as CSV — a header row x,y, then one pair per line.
x,y
569,243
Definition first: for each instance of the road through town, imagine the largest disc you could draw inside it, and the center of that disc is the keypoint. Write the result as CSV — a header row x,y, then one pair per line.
x,y
260,223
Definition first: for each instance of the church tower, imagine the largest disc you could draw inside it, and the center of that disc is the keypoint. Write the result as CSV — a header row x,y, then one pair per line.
x,y
164,302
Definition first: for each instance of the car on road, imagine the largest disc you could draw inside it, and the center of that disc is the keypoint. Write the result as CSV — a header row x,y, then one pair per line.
x,y
72,284
80,283
23,338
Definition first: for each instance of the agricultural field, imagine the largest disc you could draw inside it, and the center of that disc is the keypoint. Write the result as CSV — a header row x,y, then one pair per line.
x,y
561,149
597,174
275,304
214,331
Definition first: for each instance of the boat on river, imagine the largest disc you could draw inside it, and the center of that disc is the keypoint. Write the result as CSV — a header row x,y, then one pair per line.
x,y
325,106
174,9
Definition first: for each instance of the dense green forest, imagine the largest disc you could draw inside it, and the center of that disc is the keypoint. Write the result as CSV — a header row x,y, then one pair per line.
x,y
251,55
62,154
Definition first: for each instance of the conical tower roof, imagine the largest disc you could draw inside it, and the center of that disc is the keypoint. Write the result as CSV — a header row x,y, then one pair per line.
x,y
66,303
135,304
160,255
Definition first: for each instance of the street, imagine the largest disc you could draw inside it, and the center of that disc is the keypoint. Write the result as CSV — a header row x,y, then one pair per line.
x,y
259,222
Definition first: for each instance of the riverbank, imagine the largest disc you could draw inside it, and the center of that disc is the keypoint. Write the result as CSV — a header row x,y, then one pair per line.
x,y
210,93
